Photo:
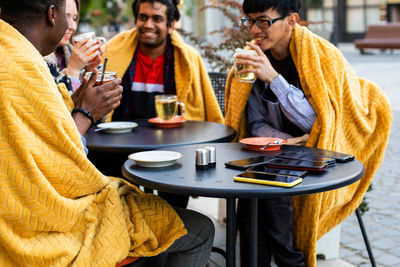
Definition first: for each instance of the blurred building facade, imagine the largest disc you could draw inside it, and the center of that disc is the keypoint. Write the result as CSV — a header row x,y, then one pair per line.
x,y
350,18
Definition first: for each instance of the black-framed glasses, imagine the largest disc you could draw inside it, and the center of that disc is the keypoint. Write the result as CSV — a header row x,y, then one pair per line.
x,y
261,23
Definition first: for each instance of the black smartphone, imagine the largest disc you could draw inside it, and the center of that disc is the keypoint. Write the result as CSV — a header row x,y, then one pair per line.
x,y
264,169
243,164
339,157
297,164
268,179
305,155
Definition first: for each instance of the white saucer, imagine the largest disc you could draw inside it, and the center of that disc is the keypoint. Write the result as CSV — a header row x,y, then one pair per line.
x,y
117,127
155,158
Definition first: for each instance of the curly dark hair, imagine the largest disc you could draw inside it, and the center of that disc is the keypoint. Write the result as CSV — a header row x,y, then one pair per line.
x,y
172,9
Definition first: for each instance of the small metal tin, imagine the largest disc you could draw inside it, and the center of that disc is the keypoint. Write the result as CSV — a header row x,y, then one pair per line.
x,y
201,159
212,158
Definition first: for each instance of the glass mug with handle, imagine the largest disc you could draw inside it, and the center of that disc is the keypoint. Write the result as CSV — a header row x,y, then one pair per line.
x,y
249,77
167,107
92,37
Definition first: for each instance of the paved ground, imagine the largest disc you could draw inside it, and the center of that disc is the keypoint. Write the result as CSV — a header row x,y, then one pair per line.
x,y
382,220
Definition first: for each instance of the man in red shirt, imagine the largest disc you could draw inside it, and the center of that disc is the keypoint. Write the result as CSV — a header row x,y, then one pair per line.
x,y
152,59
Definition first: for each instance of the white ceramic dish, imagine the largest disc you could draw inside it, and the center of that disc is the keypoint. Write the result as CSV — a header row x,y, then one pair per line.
x,y
117,127
155,158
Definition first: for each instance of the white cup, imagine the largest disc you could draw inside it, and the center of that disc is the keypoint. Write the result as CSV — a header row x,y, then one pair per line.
x,y
92,37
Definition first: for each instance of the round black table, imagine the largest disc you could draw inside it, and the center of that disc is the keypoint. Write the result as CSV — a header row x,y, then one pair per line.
x,y
148,137
183,178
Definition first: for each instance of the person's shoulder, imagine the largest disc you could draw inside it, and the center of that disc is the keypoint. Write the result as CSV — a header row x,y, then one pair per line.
x,y
179,43
51,59
327,51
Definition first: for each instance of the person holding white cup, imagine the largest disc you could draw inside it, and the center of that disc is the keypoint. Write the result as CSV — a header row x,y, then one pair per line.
x,y
70,58
91,38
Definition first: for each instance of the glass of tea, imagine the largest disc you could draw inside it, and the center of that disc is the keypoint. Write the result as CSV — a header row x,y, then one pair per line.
x,y
249,77
92,37
108,77
167,106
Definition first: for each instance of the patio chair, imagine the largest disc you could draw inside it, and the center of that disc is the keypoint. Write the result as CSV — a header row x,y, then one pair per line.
x,y
365,237
218,81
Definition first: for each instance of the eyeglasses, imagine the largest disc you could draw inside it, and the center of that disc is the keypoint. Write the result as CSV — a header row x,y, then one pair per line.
x,y
261,23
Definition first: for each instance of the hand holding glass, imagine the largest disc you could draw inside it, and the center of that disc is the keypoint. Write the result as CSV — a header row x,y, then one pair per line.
x,y
108,77
91,36
167,106
248,77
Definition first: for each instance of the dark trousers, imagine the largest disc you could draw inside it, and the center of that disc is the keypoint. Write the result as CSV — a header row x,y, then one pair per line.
x,y
191,250
275,233
108,163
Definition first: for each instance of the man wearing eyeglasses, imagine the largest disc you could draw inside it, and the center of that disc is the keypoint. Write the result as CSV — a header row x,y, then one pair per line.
x,y
276,107
307,93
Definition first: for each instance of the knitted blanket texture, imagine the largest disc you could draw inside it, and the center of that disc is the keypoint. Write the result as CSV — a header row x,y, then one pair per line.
x,y
353,116
56,208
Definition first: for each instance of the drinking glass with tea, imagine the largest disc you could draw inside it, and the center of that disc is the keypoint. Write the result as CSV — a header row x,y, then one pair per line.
x,y
248,77
167,107
91,36
108,77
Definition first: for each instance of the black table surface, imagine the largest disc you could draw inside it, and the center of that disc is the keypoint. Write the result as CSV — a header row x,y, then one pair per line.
x,y
183,178
148,137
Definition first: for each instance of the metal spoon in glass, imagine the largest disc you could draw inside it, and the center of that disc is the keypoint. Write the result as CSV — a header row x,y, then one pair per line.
x,y
276,142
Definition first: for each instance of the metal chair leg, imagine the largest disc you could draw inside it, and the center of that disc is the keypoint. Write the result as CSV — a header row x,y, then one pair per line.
x,y
366,241
219,251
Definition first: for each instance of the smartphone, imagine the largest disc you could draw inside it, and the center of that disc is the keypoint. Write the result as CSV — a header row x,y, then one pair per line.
x,y
305,155
244,164
339,157
297,164
288,172
268,179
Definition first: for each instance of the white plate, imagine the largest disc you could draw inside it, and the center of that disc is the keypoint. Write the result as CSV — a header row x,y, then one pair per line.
x,y
155,158
117,126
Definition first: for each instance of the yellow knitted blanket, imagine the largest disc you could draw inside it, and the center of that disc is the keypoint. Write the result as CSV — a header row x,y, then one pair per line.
x,y
193,86
56,208
353,116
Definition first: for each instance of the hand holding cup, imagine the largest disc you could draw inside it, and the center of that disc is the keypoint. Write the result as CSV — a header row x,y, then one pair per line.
x,y
98,100
258,64
91,36
87,51
84,54
108,77
247,77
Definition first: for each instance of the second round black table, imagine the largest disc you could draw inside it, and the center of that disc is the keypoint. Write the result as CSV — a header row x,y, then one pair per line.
x,y
183,178
109,151
148,137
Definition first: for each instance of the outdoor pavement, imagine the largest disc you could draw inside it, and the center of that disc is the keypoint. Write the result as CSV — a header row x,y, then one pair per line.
x,y
382,221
